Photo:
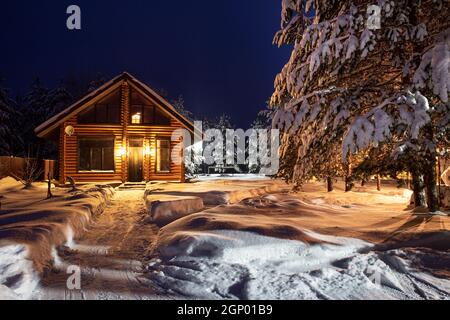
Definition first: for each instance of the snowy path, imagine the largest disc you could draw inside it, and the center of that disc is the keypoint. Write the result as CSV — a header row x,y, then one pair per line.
x,y
109,256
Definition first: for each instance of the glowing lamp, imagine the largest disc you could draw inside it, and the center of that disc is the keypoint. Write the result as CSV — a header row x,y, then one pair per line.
x,y
149,151
122,151
136,118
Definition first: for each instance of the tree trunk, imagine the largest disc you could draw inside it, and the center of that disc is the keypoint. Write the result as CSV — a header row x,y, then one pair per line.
x,y
430,174
408,180
329,184
418,188
348,184
378,182
432,194
363,182
439,173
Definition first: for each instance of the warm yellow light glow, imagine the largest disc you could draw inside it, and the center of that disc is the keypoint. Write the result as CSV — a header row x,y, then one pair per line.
x,y
122,151
136,118
149,151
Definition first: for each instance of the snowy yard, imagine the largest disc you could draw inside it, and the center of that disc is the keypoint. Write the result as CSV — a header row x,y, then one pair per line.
x,y
310,245
33,227
250,239
243,265
356,96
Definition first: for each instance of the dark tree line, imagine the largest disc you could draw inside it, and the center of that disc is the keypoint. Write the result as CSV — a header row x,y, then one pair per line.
x,y
21,114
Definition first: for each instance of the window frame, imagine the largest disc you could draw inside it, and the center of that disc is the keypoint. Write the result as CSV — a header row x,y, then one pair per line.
x,y
109,108
142,113
105,138
149,103
168,139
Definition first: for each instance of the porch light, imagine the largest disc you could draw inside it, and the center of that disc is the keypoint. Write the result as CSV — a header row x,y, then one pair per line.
x,y
149,151
122,151
136,118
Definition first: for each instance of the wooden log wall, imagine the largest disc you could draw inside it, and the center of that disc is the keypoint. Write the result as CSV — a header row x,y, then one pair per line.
x,y
68,153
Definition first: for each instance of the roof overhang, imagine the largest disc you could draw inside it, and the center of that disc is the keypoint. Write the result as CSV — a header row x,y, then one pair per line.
x,y
52,124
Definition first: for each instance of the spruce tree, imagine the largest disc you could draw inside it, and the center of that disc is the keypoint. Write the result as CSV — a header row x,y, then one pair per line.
x,y
35,107
8,118
353,83
179,105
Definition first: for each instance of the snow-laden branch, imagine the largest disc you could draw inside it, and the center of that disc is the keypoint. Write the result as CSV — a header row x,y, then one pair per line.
x,y
403,114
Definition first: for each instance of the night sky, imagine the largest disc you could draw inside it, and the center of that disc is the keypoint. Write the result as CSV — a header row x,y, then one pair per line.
x,y
218,54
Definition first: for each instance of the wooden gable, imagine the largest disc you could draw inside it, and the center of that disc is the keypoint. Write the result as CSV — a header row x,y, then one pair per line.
x,y
108,125
104,92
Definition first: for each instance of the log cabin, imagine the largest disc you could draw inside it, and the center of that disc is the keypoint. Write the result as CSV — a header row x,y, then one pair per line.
x,y
120,132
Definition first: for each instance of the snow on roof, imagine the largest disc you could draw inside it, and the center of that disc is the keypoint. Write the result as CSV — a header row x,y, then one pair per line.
x,y
69,111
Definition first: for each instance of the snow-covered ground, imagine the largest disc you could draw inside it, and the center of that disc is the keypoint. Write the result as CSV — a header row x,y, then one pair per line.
x,y
243,265
215,191
32,227
364,246
18,278
253,239
109,256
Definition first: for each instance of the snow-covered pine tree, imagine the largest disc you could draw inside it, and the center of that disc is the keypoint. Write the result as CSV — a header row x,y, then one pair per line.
x,y
207,123
263,121
8,117
36,99
351,84
35,109
38,105
179,105
96,83
58,99
223,122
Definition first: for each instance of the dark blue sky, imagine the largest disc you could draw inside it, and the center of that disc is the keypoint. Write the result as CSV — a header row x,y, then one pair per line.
x,y
218,54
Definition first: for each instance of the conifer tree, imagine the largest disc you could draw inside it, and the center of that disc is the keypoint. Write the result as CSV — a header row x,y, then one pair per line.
x,y
8,117
359,76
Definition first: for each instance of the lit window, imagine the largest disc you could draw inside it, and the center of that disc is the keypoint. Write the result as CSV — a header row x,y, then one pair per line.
x,y
136,118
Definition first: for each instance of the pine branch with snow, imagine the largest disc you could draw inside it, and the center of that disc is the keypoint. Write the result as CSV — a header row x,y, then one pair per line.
x,y
348,87
8,120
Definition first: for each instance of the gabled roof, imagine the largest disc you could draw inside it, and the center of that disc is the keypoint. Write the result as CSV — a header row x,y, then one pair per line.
x,y
54,122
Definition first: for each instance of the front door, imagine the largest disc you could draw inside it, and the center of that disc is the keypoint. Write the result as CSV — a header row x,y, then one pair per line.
x,y
135,160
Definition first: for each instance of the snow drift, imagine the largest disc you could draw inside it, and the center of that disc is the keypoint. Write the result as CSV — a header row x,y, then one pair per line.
x,y
18,278
214,191
229,264
274,247
164,209
31,227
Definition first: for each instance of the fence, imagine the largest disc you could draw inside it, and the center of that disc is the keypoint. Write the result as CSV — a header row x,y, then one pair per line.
x,y
15,167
